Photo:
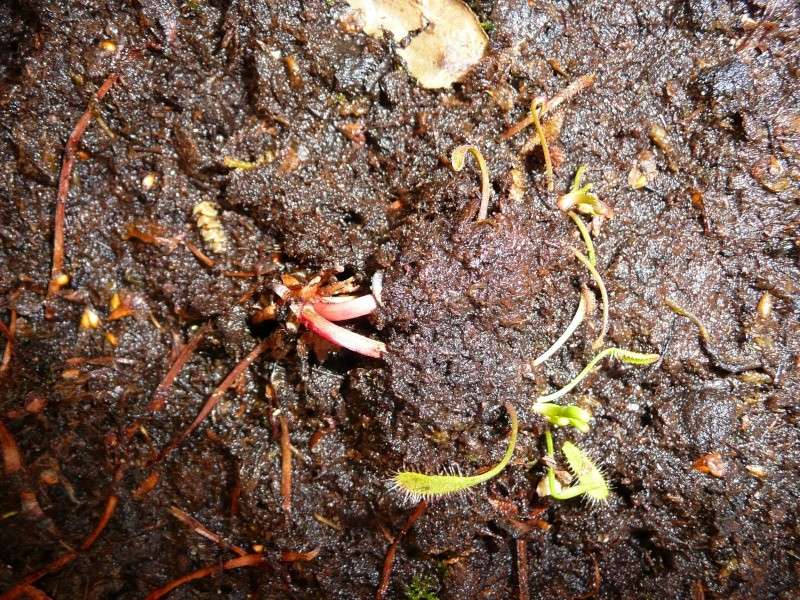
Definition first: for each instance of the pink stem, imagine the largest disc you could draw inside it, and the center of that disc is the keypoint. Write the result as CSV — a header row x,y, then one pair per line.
x,y
332,310
339,335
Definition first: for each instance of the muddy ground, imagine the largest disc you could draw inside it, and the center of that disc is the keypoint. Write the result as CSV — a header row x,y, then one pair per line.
x,y
353,172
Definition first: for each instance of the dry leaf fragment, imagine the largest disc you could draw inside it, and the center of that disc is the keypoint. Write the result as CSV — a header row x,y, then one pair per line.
x,y
450,42
398,17
712,464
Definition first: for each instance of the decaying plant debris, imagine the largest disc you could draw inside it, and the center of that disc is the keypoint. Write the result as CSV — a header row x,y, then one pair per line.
x,y
169,425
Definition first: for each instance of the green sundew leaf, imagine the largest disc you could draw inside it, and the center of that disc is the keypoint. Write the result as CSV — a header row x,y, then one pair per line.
x,y
418,486
591,482
564,416
634,358
626,356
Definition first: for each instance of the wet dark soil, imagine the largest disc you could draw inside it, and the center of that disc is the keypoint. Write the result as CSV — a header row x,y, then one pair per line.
x,y
352,172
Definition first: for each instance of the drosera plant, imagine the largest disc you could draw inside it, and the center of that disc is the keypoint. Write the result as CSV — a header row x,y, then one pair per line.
x,y
323,300
580,198
416,486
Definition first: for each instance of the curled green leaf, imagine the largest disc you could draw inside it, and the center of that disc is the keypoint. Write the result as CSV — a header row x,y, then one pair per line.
x,y
420,486
564,416
626,356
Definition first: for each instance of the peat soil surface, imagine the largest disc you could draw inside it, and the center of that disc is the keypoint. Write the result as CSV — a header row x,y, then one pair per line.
x,y
350,170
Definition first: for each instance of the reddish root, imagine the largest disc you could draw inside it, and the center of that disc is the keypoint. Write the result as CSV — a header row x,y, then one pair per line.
x,y
342,309
286,466
9,332
339,335
57,276
200,529
12,460
249,560
216,396
388,563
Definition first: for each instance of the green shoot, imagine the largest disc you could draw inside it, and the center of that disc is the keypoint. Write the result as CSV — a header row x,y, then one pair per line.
x,y
583,308
603,296
590,480
679,310
537,124
626,356
419,486
587,239
457,160
564,416
583,200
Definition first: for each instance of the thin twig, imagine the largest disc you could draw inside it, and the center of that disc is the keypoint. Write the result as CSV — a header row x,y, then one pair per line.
x,y
200,529
581,83
386,572
215,397
200,255
19,590
9,332
293,556
111,505
286,466
12,461
522,569
57,270
248,560
160,395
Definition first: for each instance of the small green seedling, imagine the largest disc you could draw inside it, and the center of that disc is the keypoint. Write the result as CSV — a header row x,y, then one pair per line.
x,y
581,198
457,160
419,486
590,481
564,416
627,356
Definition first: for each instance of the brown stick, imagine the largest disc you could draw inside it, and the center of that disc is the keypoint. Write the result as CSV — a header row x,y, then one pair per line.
x,y
160,395
522,569
286,466
292,556
63,185
249,560
200,529
215,397
19,590
111,505
567,93
34,593
200,255
388,563
595,589
9,332
12,461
